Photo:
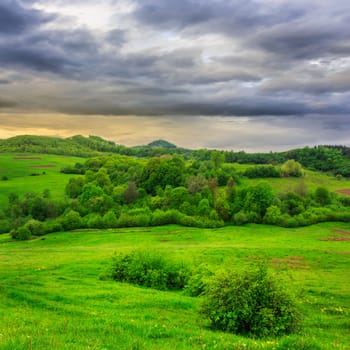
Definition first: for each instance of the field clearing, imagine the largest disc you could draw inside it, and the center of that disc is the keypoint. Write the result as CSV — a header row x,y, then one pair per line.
x,y
312,180
33,173
51,296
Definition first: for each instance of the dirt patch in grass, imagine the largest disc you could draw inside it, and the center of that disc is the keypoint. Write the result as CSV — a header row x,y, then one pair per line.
x,y
346,192
42,166
291,262
335,239
26,158
341,232
339,235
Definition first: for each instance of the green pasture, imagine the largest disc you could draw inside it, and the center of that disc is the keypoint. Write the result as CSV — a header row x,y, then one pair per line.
x,y
33,173
311,179
52,295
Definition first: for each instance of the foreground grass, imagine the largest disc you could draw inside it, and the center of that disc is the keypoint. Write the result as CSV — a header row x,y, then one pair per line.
x,y
36,172
51,296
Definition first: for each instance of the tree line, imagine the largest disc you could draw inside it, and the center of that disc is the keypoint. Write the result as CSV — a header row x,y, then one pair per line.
x,y
122,191
332,159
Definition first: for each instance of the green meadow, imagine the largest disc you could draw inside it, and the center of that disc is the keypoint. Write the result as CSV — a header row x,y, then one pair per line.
x,y
311,179
23,173
54,293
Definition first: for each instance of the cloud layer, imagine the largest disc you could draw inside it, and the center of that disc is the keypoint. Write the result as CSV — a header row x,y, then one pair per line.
x,y
282,62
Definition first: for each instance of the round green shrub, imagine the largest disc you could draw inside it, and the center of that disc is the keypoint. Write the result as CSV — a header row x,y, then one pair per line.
x,y
252,302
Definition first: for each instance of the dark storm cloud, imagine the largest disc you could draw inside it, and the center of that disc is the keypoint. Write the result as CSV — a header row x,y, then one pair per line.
x,y
186,57
231,17
37,59
15,18
306,41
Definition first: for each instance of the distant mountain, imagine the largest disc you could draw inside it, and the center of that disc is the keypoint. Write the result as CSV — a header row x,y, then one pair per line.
x,y
161,144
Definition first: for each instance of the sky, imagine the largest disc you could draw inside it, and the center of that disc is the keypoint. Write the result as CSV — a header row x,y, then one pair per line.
x,y
253,75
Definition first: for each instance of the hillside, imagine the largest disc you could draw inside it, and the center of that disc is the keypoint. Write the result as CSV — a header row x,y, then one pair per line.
x,y
52,297
332,159
78,145
161,144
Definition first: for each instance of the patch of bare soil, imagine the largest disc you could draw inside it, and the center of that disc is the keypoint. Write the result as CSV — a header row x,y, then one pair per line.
x,y
346,191
336,239
339,235
292,262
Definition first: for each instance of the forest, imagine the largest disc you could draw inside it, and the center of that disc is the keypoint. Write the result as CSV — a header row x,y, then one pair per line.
x,y
165,185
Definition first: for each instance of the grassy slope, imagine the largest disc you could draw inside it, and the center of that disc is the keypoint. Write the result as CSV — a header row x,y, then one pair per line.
x,y
312,180
19,173
51,297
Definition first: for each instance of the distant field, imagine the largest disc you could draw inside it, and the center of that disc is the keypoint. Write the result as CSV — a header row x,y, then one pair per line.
x,y
312,180
51,296
33,173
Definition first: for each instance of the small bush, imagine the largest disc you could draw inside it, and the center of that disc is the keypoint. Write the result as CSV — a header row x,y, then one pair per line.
x,y
22,233
240,218
35,227
4,226
149,269
198,280
52,226
250,303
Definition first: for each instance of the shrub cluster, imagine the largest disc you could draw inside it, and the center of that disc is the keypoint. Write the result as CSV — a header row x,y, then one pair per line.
x,y
249,303
150,269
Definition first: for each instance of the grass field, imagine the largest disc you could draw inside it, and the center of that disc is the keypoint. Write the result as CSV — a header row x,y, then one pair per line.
x,y
33,172
51,296
312,180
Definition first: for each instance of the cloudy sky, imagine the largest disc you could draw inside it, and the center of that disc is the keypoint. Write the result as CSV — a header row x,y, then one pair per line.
x,y
254,75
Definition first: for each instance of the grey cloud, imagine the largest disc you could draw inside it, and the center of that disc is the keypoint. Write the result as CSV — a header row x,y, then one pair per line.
x,y
305,41
221,16
15,18
37,59
256,64
7,103
116,37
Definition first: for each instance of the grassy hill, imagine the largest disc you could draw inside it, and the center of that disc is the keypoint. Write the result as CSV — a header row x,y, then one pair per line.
x,y
161,144
54,290
75,146
28,172
52,298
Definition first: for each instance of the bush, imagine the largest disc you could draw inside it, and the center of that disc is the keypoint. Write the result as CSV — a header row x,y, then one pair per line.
x,y
71,220
251,303
160,217
240,218
35,227
198,280
150,269
52,226
4,226
22,233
